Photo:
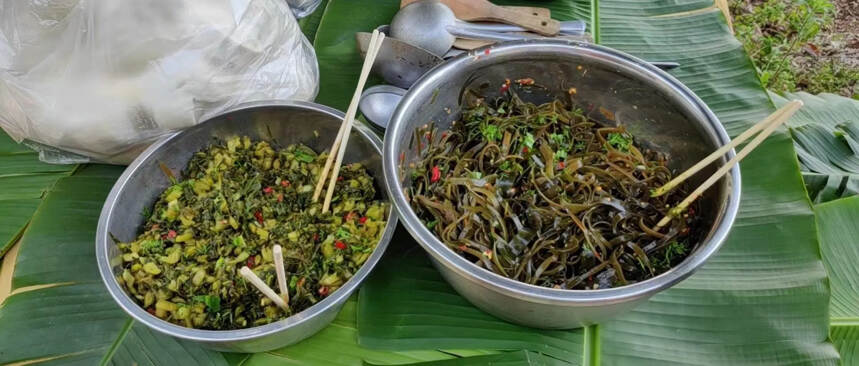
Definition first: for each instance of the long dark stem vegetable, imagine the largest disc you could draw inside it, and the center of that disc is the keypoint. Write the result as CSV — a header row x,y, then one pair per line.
x,y
543,195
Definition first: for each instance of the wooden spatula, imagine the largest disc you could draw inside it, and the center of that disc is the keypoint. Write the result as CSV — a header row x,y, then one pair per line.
x,y
483,10
533,10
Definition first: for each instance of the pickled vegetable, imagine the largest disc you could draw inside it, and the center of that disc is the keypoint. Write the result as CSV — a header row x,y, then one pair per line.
x,y
240,198
544,195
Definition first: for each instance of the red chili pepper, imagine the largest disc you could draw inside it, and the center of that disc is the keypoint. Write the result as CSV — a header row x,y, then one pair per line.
x,y
268,190
164,237
340,245
258,216
280,197
250,262
428,136
171,234
362,220
402,157
444,134
525,149
349,216
525,81
284,183
150,311
462,247
436,174
323,291
339,178
504,88
561,164
315,238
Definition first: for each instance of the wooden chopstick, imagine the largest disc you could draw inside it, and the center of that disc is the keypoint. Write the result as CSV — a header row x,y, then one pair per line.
x,y
262,287
770,124
345,128
369,59
667,187
277,252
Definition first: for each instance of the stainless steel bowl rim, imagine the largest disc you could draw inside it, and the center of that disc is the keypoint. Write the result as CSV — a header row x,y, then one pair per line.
x,y
139,314
533,293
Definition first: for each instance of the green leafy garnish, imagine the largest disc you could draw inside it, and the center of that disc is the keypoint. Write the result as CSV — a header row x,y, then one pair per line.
x,y
303,156
561,154
619,141
491,133
476,175
152,246
528,140
213,303
432,224
557,138
239,241
342,233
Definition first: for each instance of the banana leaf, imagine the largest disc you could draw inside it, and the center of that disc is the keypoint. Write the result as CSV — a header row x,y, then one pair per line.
x,y
337,345
516,358
839,244
826,138
762,300
24,179
59,311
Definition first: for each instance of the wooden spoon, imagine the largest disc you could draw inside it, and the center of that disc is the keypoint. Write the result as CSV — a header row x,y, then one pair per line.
x,y
483,10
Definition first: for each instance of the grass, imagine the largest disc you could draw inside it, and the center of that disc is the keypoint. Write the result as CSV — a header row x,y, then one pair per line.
x,y
787,40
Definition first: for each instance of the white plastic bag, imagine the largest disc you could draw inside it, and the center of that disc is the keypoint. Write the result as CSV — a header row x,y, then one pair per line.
x,y
103,79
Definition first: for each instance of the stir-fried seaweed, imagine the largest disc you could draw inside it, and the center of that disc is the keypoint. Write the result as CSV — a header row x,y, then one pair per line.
x,y
240,199
543,195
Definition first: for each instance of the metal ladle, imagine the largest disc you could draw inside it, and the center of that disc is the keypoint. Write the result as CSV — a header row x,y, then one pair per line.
x,y
379,102
432,26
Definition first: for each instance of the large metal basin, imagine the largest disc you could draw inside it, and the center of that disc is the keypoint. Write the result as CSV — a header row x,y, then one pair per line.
x,y
142,182
614,88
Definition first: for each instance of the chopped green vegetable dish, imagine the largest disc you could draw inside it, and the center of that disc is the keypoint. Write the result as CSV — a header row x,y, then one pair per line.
x,y
546,196
241,198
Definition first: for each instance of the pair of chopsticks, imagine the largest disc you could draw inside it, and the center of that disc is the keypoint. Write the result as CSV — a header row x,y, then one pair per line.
x,y
338,149
766,127
283,300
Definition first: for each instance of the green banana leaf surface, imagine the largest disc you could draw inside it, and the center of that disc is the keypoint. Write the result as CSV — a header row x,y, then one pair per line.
x,y
23,179
839,244
763,300
826,138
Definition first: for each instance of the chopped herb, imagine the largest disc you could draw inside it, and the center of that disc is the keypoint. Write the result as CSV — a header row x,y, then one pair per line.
x,y
475,175
431,224
152,246
619,141
491,133
303,156
528,140
342,233
213,303
561,154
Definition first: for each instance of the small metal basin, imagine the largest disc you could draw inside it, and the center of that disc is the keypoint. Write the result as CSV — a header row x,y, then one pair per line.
x,y
143,181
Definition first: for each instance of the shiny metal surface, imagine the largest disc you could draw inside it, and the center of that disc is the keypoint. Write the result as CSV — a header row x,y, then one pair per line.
x,y
398,62
143,180
611,87
424,24
379,102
